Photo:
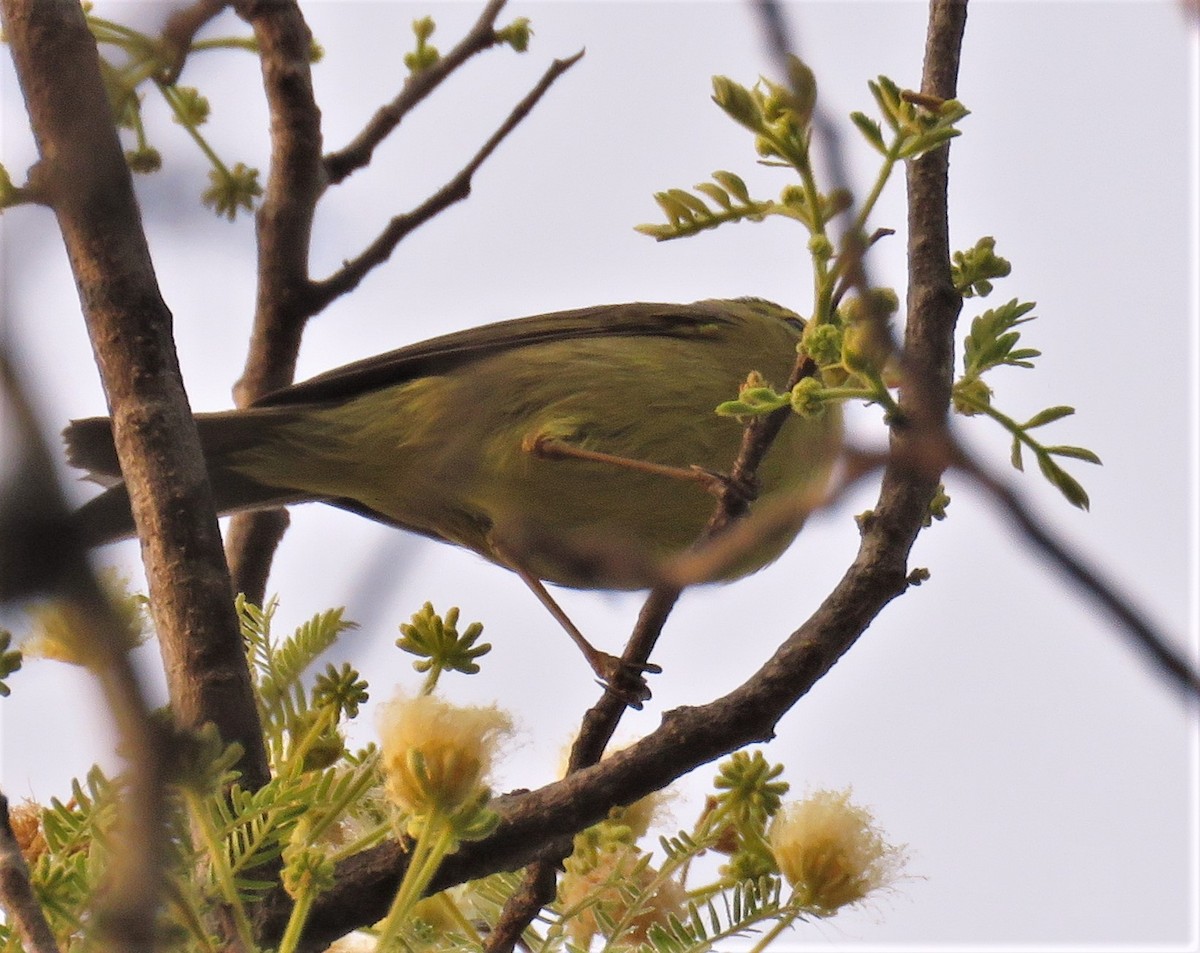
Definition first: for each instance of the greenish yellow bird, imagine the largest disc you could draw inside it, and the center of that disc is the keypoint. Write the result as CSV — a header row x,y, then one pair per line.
x,y
473,437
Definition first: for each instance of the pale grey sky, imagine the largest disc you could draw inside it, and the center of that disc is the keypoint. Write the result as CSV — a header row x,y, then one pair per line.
x,y
1043,778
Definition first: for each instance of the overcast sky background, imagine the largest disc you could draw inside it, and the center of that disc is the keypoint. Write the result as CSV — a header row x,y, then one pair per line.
x,y
1043,777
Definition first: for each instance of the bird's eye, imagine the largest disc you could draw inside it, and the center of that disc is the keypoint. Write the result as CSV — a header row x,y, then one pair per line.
x,y
797,323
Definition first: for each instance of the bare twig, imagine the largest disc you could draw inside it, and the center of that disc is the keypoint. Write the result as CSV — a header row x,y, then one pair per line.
x,y
181,28
294,183
455,190
16,892
482,36
83,172
251,547
1171,664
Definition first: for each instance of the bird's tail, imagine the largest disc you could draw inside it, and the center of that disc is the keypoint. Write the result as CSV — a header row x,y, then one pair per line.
x,y
108,517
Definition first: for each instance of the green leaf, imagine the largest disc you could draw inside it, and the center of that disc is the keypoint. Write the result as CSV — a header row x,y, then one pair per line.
x,y
738,102
1049,415
1065,483
1017,462
695,205
1075,453
870,129
927,142
734,184
675,210
716,193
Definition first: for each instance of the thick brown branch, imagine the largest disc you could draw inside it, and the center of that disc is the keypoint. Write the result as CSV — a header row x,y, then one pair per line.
x,y
357,154
458,188
82,171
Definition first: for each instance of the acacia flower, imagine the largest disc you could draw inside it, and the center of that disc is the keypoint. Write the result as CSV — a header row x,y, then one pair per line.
x,y
436,756
831,853
621,885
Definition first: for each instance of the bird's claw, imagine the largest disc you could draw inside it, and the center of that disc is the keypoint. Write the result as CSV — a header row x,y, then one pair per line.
x,y
625,680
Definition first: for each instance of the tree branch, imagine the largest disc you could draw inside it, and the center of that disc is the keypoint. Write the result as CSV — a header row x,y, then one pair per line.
x,y
181,28
82,171
284,230
1172,664
357,154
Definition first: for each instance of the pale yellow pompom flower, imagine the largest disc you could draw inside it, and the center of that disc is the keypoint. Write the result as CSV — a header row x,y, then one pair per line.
x,y
611,884
435,755
831,853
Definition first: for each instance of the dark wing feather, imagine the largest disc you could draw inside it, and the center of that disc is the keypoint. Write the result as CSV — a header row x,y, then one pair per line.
x,y
441,354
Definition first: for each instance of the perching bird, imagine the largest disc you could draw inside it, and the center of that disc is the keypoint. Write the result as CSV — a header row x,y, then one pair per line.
x,y
473,438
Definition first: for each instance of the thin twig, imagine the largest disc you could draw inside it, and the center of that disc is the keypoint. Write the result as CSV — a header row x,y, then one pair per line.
x,y
181,28
294,183
16,892
347,278
1171,664
251,546
357,153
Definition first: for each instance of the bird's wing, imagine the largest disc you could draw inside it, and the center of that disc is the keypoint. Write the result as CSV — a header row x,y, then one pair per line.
x,y
441,354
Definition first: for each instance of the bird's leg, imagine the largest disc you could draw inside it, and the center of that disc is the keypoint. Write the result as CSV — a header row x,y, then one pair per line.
x,y
553,448
623,679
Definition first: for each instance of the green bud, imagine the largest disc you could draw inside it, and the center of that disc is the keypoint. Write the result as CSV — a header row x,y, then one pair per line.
x,y
821,248
838,201
516,34
885,300
191,109
861,351
738,102
968,395
423,29
806,397
144,160
231,189
8,192
794,195
937,506
421,58
424,56
823,343
850,310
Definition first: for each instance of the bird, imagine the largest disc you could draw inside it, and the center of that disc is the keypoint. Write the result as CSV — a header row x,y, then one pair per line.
x,y
551,445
